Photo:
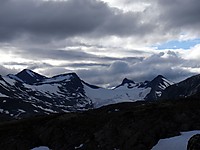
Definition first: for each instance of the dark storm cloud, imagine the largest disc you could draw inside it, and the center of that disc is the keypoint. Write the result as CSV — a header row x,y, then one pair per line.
x,y
42,21
50,20
180,13
55,19
125,24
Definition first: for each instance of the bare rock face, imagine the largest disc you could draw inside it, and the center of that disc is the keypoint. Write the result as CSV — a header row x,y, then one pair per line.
x,y
194,142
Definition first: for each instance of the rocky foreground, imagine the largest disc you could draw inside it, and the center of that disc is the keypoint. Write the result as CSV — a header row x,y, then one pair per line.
x,y
125,126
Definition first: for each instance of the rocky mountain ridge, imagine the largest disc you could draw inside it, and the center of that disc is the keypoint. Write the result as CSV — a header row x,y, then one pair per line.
x,y
28,93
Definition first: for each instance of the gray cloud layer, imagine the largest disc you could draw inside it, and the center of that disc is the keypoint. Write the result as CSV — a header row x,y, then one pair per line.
x,y
37,19
28,24
52,20
180,13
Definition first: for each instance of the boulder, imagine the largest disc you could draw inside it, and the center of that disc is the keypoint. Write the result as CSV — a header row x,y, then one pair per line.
x,y
194,142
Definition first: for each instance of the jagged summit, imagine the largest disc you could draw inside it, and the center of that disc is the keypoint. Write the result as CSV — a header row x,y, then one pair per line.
x,y
158,85
29,93
30,77
127,81
160,80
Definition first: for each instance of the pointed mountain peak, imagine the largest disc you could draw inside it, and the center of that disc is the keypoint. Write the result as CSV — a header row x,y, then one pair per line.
x,y
27,72
127,81
160,77
30,77
159,83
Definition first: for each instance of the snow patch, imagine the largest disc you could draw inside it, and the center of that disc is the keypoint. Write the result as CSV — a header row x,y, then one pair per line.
x,y
41,148
30,73
162,86
7,112
21,110
3,95
1,110
167,81
175,143
9,80
80,146
47,109
65,78
158,93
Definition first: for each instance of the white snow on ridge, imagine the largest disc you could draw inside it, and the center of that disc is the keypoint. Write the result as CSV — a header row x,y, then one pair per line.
x,y
162,86
14,77
58,79
30,73
101,97
175,143
47,109
168,82
47,89
9,80
41,148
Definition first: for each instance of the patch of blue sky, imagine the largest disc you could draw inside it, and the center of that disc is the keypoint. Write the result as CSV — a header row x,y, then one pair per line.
x,y
175,44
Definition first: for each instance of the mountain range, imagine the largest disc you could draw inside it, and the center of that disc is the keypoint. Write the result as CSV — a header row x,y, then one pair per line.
x,y
28,93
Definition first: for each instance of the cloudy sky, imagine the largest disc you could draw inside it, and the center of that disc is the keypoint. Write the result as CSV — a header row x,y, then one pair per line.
x,y
103,41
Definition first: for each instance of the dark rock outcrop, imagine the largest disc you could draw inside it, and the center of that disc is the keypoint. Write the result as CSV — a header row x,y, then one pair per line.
x,y
194,142
183,89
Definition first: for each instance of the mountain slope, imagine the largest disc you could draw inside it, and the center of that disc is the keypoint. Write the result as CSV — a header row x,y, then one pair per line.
x,y
30,93
128,91
61,93
185,88
125,126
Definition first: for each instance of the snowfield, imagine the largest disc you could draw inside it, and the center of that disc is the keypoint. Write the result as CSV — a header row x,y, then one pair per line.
x,y
175,143
101,97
